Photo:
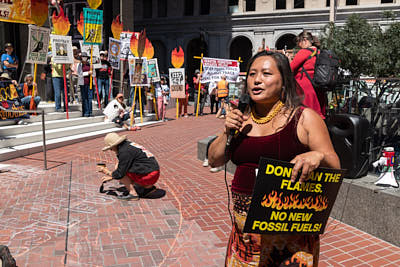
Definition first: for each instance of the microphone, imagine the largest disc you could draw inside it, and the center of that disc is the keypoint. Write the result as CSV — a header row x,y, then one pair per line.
x,y
244,101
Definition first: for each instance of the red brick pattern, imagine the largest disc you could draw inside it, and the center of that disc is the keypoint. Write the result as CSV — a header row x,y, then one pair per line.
x,y
188,227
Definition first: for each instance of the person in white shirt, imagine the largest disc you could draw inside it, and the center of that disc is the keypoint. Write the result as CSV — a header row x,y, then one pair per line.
x,y
116,111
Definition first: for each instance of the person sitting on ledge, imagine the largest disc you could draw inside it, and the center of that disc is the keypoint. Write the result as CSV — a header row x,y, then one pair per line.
x,y
26,91
117,112
136,166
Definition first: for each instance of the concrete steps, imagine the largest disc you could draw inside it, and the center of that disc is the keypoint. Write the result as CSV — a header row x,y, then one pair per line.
x,y
22,140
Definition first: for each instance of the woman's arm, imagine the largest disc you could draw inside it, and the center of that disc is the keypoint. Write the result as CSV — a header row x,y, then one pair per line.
x,y
313,133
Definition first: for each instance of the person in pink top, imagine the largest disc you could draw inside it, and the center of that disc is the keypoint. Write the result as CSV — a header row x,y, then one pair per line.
x,y
304,61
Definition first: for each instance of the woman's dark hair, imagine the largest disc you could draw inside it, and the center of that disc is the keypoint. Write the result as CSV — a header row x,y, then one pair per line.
x,y
291,93
307,35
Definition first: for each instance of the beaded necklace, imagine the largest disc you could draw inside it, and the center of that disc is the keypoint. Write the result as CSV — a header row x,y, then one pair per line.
x,y
269,117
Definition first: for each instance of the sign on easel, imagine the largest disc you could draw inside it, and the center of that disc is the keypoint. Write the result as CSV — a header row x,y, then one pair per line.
x,y
38,45
153,72
61,48
279,206
138,72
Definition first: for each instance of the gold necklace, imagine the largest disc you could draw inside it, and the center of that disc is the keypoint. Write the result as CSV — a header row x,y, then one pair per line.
x,y
269,117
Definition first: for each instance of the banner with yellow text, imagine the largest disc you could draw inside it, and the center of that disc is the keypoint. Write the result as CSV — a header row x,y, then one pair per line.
x,y
9,100
92,26
279,206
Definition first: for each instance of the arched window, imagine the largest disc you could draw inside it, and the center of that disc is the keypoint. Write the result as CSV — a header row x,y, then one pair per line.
x,y
241,47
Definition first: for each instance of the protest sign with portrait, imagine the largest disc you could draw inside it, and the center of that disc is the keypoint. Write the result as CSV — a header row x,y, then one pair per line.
x,y
38,44
153,72
279,206
61,48
114,51
138,72
177,82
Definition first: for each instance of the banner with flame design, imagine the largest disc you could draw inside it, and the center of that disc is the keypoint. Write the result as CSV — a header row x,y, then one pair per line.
x,y
23,11
279,206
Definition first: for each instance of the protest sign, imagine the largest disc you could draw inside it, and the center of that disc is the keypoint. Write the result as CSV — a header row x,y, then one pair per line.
x,y
114,52
153,72
9,100
96,62
92,26
214,68
38,45
24,11
138,72
61,48
177,82
279,206
125,39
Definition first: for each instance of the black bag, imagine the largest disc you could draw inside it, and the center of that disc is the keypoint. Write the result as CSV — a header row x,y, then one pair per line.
x,y
6,258
326,70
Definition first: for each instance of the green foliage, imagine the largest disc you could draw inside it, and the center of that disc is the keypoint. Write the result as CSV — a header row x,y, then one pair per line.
x,y
363,48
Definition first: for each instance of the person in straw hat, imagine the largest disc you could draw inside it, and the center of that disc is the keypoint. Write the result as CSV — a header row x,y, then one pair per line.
x,y
136,166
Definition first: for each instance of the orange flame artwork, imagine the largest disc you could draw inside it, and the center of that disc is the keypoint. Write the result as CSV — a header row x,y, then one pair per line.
x,y
116,27
39,11
60,23
292,201
141,47
94,3
177,57
80,24
20,10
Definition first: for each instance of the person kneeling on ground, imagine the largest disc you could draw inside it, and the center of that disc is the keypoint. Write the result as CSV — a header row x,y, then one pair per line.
x,y
136,166
117,112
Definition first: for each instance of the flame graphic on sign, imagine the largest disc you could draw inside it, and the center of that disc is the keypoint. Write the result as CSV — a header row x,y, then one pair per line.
x,y
141,47
292,201
60,23
116,27
177,57
94,3
79,25
20,9
39,11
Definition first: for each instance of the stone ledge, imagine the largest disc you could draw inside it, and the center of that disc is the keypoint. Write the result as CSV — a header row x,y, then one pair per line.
x,y
360,203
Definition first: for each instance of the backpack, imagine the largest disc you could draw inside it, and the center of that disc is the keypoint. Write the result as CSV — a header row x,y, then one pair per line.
x,y
326,69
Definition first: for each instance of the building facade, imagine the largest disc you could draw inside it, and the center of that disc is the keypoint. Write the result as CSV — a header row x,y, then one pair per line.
x,y
238,28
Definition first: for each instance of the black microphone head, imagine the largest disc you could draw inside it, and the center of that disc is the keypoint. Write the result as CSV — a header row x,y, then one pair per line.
x,y
244,101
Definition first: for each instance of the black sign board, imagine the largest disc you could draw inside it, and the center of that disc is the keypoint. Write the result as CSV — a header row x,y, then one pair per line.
x,y
280,206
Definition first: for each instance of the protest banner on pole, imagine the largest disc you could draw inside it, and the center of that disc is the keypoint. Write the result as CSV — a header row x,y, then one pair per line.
x,y
114,51
153,72
125,39
279,206
214,68
92,26
38,45
27,11
95,52
9,100
177,82
61,49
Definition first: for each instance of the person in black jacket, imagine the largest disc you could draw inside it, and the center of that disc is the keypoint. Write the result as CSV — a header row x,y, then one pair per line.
x,y
136,165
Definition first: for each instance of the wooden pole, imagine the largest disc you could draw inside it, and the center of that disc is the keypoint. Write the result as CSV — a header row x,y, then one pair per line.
x,y
133,106
198,93
177,108
155,101
65,91
91,66
32,102
140,104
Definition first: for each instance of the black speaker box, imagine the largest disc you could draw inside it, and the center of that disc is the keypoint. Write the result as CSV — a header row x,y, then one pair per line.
x,y
350,135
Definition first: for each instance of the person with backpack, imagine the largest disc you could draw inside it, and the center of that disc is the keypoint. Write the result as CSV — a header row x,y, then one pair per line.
x,y
302,66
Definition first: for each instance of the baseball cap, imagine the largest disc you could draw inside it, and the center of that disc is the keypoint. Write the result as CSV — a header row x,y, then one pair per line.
x,y
8,45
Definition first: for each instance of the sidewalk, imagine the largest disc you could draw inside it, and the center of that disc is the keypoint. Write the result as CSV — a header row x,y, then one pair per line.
x,y
44,212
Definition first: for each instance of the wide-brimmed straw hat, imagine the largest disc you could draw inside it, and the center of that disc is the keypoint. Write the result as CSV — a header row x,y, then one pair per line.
x,y
112,139
5,75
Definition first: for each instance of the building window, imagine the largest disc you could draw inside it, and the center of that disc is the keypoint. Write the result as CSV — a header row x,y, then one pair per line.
x,y
189,8
280,4
298,3
162,8
205,7
386,1
250,5
147,9
328,2
233,6
351,2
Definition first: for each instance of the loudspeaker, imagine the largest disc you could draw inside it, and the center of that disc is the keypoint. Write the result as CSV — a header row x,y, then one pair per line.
x,y
350,135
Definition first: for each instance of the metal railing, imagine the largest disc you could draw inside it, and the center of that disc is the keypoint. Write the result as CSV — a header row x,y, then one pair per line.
x,y
43,129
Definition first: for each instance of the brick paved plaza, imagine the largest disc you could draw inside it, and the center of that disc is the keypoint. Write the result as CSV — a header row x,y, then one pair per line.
x,y
187,227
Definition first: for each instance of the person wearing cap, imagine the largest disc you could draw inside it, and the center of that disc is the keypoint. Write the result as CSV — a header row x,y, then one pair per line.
x,y
103,78
9,61
117,112
136,166
84,72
